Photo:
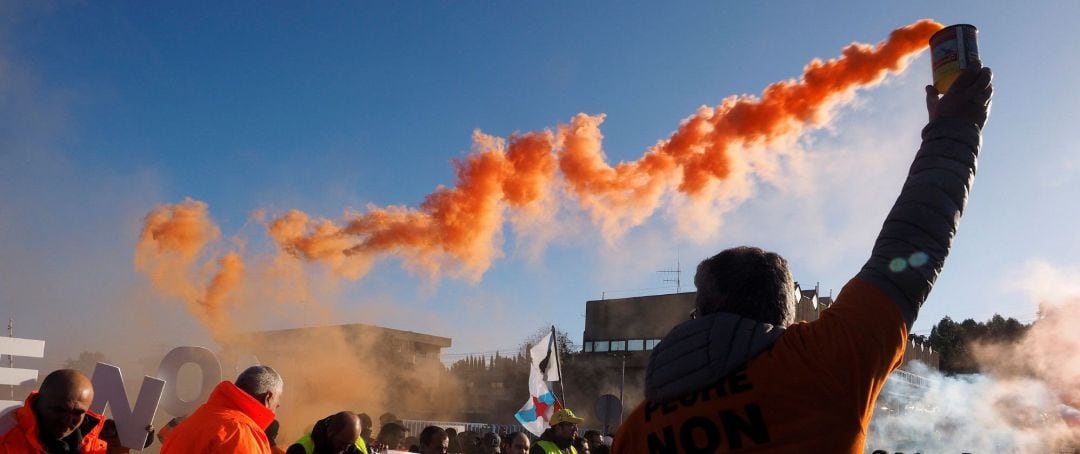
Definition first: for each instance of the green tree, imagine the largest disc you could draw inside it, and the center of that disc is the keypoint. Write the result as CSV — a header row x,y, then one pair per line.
x,y
952,340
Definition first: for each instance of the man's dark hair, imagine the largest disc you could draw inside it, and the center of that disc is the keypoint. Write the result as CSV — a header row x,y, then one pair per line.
x,y
747,281
430,434
387,418
365,420
391,431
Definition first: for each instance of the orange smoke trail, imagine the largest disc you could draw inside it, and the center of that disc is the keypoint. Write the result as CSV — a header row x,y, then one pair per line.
x,y
173,239
697,153
459,222
464,223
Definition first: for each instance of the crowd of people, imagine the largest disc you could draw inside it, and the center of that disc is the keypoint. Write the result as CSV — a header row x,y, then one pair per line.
x,y
239,417
738,375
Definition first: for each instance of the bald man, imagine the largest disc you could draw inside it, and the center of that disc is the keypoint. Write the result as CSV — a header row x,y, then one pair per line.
x,y
336,434
57,418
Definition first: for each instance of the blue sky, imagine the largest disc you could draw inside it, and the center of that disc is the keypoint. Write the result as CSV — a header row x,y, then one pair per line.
x,y
107,109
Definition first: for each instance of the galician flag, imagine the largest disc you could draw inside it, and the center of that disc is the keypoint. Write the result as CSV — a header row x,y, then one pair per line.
x,y
536,413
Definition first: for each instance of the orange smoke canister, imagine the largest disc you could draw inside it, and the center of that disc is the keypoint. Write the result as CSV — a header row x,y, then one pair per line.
x,y
952,50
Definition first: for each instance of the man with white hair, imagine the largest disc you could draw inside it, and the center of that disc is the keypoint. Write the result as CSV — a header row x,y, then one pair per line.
x,y
234,418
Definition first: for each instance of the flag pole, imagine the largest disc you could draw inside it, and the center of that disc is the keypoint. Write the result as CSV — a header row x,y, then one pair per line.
x,y
558,365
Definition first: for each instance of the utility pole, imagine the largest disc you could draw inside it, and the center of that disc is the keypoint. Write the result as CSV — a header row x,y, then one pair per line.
x,y
622,386
11,358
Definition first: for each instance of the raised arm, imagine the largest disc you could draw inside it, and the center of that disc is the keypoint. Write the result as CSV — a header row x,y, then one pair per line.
x,y
918,232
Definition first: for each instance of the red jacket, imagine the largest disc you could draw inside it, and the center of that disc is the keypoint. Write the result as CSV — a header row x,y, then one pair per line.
x,y
23,438
231,421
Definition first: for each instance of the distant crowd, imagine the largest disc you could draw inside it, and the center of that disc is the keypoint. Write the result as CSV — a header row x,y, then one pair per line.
x,y
240,416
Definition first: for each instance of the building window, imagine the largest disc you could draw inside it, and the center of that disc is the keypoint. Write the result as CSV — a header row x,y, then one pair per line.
x,y
600,346
651,343
588,347
618,346
635,345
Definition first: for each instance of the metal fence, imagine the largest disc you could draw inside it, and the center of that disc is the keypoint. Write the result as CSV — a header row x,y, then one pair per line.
x,y
415,426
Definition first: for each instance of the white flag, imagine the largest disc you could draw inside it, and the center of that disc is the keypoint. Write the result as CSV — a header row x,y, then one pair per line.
x,y
545,359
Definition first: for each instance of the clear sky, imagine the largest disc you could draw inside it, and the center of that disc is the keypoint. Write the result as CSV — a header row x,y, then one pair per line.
x,y
110,108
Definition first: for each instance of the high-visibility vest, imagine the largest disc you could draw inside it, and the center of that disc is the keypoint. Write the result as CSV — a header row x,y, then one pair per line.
x,y
309,444
552,448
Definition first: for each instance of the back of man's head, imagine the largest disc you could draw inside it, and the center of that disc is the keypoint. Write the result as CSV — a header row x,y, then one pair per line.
x,y
263,383
392,434
365,420
432,435
342,430
343,420
747,281
365,425
387,418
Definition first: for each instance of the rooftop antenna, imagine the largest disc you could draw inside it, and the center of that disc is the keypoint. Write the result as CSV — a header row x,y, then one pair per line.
x,y
675,275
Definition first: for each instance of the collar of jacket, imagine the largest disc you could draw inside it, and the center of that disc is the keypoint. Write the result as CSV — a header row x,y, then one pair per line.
x,y
26,421
698,353
228,395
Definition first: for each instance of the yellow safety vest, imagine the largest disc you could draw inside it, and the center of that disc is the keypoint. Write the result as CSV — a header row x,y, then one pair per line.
x,y
552,448
309,444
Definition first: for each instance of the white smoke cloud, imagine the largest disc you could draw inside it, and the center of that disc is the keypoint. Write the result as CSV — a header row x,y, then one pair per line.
x,y
967,413
1023,401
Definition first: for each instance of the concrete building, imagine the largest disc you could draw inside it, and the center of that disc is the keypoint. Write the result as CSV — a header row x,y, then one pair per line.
x,y
357,367
410,346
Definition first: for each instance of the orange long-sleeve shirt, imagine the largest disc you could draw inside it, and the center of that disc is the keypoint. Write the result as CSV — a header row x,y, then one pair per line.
x,y
812,391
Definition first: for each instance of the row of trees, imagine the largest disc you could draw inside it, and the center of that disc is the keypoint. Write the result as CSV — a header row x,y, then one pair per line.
x,y
953,340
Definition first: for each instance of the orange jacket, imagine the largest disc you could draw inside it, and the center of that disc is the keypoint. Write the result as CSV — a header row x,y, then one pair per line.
x,y
813,390
23,438
231,421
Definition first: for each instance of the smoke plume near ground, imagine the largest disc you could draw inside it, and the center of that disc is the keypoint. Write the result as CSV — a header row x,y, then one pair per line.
x,y
1024,400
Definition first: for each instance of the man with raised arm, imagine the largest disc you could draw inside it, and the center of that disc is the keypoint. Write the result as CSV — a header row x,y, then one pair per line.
x,y
742,377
